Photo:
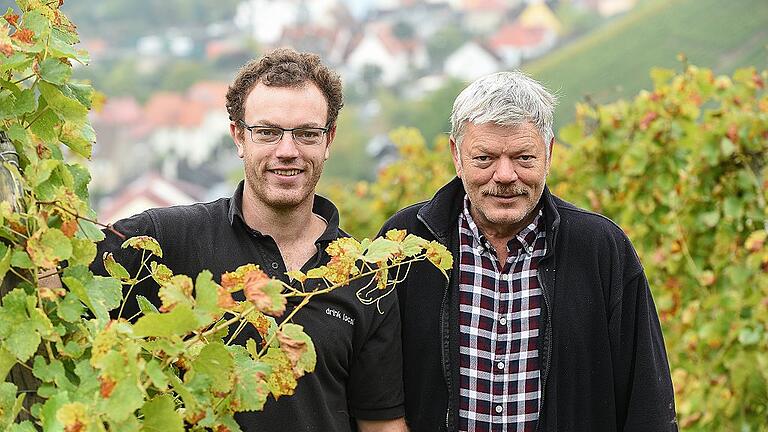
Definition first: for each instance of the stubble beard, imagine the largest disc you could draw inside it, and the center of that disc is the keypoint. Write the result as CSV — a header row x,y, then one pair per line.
x,y
281,199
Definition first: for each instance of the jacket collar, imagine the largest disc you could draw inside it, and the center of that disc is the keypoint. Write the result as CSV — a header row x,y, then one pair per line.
x,y
321,207
440,214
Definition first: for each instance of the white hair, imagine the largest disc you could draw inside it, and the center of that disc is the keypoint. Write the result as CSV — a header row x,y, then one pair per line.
x,y
507,99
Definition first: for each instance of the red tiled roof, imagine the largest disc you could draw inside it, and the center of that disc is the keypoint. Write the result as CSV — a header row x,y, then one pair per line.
x,y
485,5
171,109
145,189
163,108
516,35
394,45
120,110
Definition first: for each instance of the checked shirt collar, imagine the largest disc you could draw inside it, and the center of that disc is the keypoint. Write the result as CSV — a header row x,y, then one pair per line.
x,y
524,240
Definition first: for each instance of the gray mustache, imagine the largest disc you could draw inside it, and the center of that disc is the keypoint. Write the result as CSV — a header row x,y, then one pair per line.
x,y
505,191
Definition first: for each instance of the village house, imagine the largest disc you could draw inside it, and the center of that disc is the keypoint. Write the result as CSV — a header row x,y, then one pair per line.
x,y
515,43
379,47
471,61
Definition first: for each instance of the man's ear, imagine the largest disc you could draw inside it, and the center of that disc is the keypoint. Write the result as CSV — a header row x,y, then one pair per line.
x,y
331,134
551,150
456,156
236,135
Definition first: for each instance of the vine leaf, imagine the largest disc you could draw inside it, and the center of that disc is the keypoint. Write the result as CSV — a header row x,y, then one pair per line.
x,y
55,71
145,306
17,330
178,322
115,269
65,107
216,363
264,293
8,403
146,243
235,281
74,416
438,255
7,361
281,380
5,261
299,349
250,389
207,297
175,292
160,415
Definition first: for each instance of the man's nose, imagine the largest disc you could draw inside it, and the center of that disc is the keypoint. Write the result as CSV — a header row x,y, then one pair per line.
x,y
287,147
505,172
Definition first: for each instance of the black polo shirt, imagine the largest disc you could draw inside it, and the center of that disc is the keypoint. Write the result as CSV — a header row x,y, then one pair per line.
x,y
358,372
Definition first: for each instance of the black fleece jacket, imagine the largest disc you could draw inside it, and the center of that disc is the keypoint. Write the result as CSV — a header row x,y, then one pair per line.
x,y
604,365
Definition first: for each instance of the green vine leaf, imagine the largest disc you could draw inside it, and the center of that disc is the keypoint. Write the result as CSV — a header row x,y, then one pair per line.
x,y
207,297
8,404
175,292
17,329
145,306
250,389
66,108
55,71
144,243
115,269
7,361
180,321
160,415
49,247
216,363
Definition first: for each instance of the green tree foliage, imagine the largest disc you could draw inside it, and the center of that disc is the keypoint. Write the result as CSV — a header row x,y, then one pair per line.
x,y
170,368
430,114
349,159
682,169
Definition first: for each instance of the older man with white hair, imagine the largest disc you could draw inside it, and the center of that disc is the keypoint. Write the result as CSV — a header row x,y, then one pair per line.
x,y
546,322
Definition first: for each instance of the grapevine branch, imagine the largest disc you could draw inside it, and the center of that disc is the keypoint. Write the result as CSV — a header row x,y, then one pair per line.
x,y
81,217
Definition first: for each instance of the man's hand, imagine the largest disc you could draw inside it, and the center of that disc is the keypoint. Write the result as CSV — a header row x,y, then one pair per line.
x,y
394,425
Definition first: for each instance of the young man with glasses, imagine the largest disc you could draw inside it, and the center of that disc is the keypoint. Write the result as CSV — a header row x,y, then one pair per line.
x,y
283,110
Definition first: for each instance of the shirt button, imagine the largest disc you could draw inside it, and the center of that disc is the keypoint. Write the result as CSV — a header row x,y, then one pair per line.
x,y
503,321
499,409
275,265
505,276
500,365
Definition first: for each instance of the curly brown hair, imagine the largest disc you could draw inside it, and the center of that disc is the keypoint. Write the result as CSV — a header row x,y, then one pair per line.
x,y
284,67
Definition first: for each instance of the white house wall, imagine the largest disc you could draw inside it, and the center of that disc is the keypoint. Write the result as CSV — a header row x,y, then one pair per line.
x,y
470,62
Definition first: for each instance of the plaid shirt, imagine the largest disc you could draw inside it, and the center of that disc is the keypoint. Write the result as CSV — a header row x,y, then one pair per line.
x,y
499,322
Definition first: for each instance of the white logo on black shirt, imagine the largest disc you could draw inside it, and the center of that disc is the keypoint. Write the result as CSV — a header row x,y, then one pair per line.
x,y
342,316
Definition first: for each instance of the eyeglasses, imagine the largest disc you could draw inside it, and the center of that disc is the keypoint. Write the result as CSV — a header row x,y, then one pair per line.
x,y
308,136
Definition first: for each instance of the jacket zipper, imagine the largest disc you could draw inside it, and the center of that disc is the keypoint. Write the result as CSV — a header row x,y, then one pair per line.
x,y
549,353
446,372
549,340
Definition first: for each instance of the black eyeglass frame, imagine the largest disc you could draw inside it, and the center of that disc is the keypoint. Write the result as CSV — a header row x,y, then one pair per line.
x,y
250,129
